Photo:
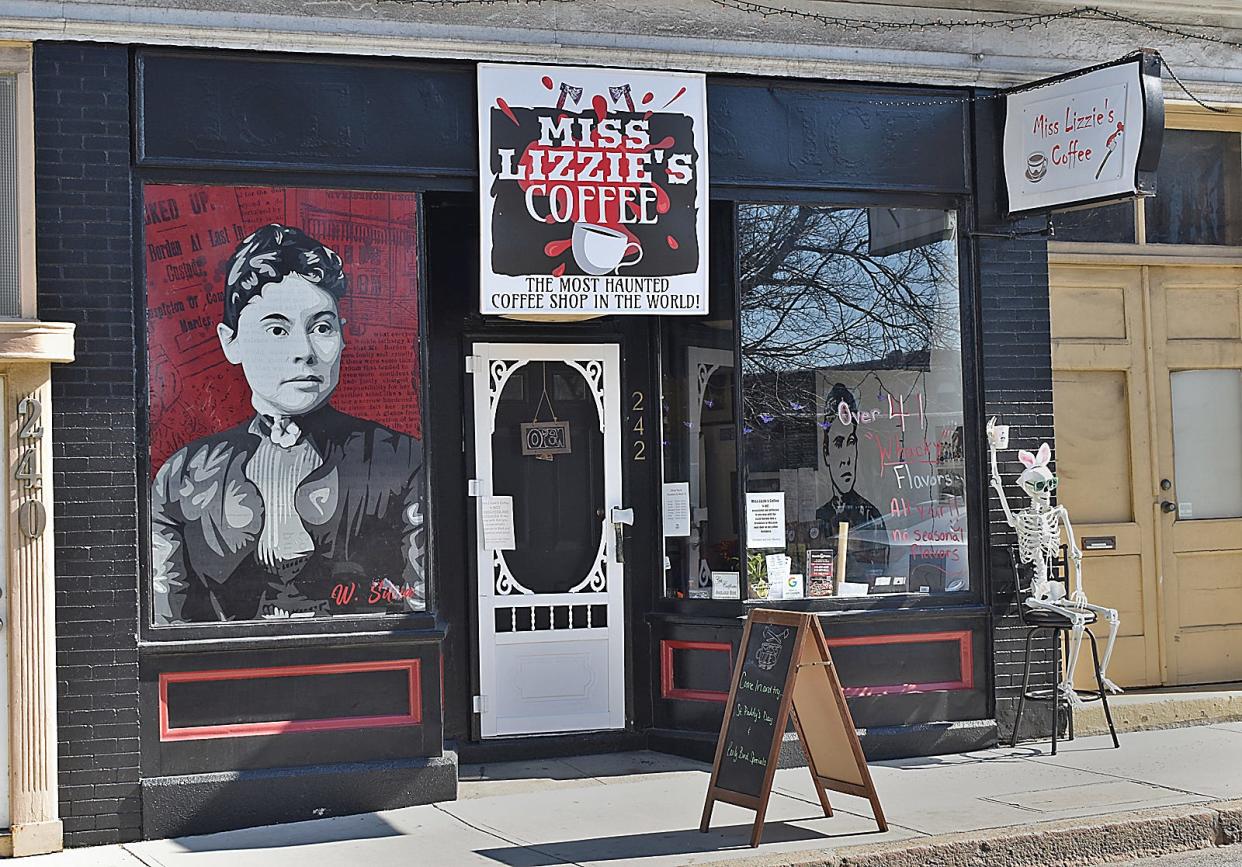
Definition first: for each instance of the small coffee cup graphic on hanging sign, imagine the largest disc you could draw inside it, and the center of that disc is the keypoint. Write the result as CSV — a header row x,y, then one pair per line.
x,y
600,250
1036,167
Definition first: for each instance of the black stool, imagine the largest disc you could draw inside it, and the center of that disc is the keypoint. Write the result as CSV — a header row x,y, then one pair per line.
x,y
1037,620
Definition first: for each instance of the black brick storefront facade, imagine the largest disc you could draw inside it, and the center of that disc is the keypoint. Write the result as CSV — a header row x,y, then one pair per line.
x,y
88,213
86,276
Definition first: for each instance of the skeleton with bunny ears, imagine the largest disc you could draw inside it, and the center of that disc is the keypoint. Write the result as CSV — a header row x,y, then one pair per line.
x,y
1039,538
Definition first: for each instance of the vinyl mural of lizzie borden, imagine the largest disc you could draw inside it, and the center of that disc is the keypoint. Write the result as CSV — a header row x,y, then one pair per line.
x,y
263,520
867,548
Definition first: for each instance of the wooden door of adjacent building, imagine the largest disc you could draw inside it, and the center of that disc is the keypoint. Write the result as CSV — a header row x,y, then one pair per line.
x,y
1147,380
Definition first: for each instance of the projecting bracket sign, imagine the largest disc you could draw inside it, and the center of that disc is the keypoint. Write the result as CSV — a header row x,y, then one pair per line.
x,y
1086,138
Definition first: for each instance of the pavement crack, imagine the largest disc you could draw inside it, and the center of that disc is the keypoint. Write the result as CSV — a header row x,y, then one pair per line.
x,y
149,861
1048,761
493,832
795,796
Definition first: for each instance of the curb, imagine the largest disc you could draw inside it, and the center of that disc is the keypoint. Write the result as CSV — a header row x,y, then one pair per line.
x,y
1095,840
1158,713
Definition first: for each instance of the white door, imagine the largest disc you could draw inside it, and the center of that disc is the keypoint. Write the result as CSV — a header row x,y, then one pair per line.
x,y
551,609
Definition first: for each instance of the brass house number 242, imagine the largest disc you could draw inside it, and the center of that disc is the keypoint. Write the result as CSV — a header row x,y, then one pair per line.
x,y
31,515
638,406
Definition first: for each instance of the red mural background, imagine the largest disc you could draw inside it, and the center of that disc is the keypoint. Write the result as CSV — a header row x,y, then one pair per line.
x,y
190,233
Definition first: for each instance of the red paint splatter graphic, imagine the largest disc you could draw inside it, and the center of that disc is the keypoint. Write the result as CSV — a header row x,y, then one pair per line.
x,y
663,144
556,248
676,96
647,116
647,97
600,105
559,270
662,202
547,82
504,106
672,242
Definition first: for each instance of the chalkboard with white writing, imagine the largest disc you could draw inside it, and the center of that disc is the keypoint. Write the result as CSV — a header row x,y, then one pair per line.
x,y
784,672
755,711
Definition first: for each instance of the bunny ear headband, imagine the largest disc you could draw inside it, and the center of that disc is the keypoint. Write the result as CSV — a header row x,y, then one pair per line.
x,y
1031,461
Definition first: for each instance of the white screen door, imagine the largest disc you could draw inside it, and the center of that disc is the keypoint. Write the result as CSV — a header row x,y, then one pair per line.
x,y
547,432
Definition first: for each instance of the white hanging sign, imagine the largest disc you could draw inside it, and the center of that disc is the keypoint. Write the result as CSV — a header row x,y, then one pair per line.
x,y
1084,138
593,190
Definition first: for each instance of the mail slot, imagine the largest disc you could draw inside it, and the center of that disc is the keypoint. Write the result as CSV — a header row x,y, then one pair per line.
x,y
1099,543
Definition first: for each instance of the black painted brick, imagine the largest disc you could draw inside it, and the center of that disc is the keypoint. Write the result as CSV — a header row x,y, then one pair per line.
x,y
1017,384
84,231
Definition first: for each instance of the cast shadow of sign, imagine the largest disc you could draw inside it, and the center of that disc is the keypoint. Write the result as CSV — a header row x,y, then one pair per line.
x,y
651,845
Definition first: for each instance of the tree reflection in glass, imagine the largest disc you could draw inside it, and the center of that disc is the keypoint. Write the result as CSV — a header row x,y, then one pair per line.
x,y
852,388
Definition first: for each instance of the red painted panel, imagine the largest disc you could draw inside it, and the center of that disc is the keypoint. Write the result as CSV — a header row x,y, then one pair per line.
x,y
412,667
965,681
670,690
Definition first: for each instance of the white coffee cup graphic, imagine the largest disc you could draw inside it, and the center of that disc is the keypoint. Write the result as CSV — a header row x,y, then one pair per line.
x,y
599,249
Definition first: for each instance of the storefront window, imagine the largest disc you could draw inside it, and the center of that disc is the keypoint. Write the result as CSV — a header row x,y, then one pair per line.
x,y
1200,191
699,421
851,401
286,451
1112,224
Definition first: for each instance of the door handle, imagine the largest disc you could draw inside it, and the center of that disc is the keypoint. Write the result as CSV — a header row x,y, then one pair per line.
x,y
1168,506
620,517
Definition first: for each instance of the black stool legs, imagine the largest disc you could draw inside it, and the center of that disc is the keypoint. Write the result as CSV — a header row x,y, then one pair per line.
x,y
1099,682
1056,698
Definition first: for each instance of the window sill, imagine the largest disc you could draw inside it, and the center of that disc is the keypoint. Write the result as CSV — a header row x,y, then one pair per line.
x,y
859,606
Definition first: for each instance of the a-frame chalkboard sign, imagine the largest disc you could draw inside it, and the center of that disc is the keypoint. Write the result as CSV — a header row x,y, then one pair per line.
x,y
784,666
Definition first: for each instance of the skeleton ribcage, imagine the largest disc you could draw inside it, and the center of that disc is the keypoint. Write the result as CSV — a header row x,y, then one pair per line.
x,y
1038,537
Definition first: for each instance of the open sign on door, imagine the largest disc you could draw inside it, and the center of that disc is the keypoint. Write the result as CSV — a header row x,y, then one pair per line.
x,y
545,438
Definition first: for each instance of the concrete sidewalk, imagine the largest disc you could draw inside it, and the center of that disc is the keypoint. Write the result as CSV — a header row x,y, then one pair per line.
x,y
1159,793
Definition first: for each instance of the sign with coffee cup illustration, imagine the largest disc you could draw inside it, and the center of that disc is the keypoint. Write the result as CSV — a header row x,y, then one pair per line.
x,y
1086,138
593,191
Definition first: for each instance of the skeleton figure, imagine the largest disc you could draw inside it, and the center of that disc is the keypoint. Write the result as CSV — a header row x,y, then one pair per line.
x,y
1039,537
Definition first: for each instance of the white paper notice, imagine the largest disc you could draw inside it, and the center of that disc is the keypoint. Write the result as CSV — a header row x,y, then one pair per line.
x,y
726,585
676,508
778,575
765,520
498,523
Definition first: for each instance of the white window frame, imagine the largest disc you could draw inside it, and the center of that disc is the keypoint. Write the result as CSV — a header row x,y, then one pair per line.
x,y
16,59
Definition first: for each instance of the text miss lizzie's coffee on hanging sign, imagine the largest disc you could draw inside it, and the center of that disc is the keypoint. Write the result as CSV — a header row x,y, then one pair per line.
x,y
1088,137
593,190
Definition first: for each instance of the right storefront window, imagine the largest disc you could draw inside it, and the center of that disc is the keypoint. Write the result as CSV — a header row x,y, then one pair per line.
x,y
852,401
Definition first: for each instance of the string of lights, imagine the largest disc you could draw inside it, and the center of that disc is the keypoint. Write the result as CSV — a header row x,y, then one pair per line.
x,y
1028,21
1016,22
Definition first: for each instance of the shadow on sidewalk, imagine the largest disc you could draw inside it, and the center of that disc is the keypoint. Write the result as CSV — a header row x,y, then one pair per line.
x,y
335,830
649,845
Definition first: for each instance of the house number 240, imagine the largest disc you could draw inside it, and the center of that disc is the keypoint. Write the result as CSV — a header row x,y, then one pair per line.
x,y
31,514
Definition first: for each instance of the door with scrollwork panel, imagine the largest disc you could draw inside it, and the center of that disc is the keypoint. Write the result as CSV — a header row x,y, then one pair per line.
x,y
547,435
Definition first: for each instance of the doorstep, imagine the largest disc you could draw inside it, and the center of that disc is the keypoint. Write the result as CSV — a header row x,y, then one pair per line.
x,y
1163,708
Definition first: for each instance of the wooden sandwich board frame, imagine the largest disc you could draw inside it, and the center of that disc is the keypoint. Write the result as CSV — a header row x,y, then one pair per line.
x,y
821,718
